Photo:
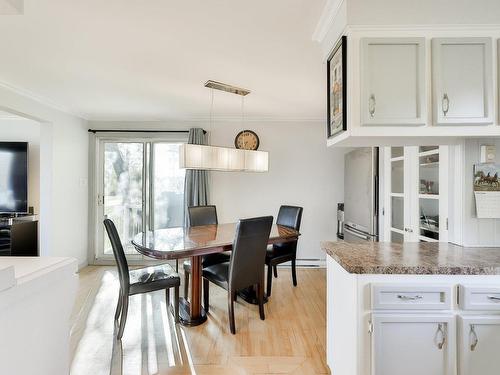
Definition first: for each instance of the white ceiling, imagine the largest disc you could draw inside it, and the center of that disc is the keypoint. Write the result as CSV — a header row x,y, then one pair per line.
x,y
148,60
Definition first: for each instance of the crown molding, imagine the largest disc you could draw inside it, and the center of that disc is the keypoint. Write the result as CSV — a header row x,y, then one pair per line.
x,y
41,100
206,120
425,27
326,19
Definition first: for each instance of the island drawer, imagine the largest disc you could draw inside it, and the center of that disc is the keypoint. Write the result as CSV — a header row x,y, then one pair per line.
x,y
411,297
479,297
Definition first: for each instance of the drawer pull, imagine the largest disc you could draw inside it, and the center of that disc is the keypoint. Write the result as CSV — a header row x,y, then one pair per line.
x,y
440,332
474,338
409,298
494,298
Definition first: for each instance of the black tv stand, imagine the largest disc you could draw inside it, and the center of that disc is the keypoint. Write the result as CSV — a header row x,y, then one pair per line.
x,y
18,235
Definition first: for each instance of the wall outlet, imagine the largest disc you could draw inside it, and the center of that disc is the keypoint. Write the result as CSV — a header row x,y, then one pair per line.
x,y
488,153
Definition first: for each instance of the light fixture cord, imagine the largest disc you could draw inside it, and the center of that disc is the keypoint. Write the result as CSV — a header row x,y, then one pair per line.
x,y
243,121
211,116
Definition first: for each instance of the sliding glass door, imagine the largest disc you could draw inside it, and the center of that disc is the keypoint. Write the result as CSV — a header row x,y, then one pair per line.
x,y
139,186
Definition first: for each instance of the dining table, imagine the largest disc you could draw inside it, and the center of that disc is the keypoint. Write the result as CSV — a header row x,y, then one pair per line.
x,y
193,243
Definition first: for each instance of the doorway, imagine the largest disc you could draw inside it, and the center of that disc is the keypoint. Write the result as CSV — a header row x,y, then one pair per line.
x,y
139,186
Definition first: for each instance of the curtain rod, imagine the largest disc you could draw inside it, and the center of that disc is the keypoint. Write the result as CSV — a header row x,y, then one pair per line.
x,y
137,131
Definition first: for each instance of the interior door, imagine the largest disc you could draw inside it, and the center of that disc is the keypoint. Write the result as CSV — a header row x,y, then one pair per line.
x,y
139,186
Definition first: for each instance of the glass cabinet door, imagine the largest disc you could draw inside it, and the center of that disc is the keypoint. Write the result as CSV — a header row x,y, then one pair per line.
x,y
397,204
428,200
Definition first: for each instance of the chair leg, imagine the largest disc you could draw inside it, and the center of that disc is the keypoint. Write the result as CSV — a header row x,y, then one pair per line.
x,y
275,269
294,273
269,280
123,319
176,304
167,297
260,293
186,283
206,289
230,303
177,265
119,306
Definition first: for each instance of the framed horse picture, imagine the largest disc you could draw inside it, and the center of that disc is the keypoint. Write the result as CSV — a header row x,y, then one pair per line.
x,y
337,89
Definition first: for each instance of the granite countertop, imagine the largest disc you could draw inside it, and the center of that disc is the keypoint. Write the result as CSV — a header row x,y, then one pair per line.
x,y
420,258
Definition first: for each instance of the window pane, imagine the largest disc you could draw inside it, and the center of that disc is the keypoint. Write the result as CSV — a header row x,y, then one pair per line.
x,y
429,218
168,186
428,148
123,178
429,174
397,214
397,237
397,177
397,152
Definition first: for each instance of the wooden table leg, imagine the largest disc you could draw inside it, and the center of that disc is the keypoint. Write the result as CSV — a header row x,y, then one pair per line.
x,y
191,312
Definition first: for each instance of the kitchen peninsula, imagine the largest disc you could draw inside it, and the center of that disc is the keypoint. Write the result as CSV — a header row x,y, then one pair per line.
x,y
412,308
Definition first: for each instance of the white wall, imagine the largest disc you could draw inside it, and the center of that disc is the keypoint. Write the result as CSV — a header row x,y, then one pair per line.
x,y
422,12
20,130
303,171
477,232
63,174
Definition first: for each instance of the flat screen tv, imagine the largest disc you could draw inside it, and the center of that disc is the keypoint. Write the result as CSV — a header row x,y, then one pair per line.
x,y
13,177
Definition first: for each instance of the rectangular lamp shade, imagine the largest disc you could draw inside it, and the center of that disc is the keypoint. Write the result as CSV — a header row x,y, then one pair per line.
x,y
215,158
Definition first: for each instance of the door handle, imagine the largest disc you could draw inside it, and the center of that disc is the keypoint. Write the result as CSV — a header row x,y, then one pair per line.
x,y
441,333
371,105
354,232
445,103
474,337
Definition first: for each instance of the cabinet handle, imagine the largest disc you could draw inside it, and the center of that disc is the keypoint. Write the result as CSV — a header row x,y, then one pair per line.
x,y
474,337
440,332
409,298
445,104
409,230
371,105
494,298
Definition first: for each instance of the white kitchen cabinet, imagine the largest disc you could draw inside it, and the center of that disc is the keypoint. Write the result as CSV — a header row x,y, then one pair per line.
x,y
462,79
416,199
413,344
479,345
393,81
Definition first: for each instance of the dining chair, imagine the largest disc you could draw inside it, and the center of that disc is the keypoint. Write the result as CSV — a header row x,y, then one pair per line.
x,y
291,217
202,215
141,280
245,267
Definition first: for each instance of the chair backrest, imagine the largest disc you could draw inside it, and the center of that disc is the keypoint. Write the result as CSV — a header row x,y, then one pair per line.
x,y
290,216
119,254
249,252
202,215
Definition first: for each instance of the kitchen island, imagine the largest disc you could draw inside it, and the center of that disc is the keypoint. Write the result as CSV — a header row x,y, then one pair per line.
x,y
413,308
36,298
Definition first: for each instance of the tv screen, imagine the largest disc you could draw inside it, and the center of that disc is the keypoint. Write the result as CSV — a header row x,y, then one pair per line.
x,y
13,177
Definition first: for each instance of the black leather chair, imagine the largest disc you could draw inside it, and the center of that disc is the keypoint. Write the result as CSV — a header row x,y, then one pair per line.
x,y
288,216
143,280
202,215
246,266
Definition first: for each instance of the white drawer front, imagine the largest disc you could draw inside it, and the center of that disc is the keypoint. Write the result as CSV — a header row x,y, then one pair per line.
x,y
411,297
479,297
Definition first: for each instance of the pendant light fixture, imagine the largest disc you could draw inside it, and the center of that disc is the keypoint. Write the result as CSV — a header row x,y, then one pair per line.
x,y
228,159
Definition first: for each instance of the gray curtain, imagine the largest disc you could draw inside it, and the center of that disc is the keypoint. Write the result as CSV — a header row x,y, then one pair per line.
x,y
196,181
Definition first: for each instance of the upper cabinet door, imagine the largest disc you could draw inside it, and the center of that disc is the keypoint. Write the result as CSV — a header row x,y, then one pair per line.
x,y
393,81
462,81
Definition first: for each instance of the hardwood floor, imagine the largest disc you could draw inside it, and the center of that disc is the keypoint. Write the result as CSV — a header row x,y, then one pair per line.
x,y
291,340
